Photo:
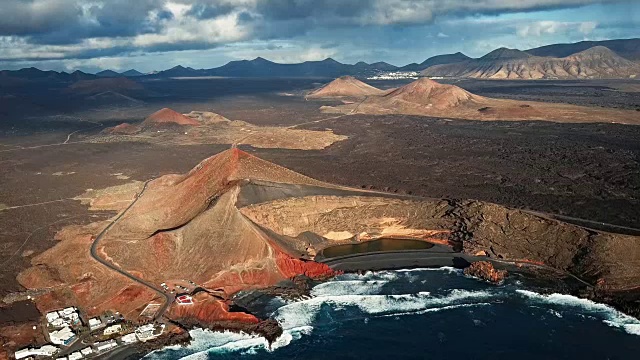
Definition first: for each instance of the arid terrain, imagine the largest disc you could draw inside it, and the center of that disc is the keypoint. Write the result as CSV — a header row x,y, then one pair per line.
x,y
592,63
430,98
66,173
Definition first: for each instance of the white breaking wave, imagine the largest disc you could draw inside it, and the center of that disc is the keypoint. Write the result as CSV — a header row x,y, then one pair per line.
x,y
612,317
361,292
206,341
436,309
346,287
448,269
391,275
303,313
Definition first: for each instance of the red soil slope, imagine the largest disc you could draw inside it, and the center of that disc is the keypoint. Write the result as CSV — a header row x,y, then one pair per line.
x,y
167,116
183,221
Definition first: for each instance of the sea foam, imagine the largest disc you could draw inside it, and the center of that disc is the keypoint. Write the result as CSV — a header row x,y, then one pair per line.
x,y
611,316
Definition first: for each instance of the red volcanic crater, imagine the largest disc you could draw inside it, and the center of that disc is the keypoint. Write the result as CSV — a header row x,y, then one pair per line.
x,y
168,116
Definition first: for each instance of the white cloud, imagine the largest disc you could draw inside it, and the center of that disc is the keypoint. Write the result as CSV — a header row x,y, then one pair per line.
x,y
587,27
540,28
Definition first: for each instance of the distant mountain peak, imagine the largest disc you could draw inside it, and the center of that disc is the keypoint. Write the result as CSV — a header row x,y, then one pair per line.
x,y
107,73
132,72
260,59
330,60
596,50
504,53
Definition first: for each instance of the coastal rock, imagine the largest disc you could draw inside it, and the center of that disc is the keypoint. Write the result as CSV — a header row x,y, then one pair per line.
x,y
270,329
209,309
485,270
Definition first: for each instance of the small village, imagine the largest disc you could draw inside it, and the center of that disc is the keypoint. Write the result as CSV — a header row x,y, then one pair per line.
x,y
395,75
74,336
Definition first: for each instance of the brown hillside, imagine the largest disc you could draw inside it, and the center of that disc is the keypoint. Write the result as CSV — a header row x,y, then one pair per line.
x,y
345,86
428,93
596,62
426,97
173,200
167,116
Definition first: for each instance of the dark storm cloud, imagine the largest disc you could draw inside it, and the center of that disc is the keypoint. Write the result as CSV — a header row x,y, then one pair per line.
x,y
136,26
21,17
318,9
67,21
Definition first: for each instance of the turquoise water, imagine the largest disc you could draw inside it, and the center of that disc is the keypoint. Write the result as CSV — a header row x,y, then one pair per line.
x,y
428,314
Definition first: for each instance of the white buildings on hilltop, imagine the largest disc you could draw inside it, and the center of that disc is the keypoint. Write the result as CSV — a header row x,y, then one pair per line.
x,y
47,350
65,317
395,75
63,336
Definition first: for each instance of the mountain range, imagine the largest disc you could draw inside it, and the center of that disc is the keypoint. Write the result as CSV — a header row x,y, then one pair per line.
x,y
586,59
111,73
503,63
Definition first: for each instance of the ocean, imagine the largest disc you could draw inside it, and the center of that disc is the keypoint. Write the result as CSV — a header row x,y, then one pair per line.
x,y
427,314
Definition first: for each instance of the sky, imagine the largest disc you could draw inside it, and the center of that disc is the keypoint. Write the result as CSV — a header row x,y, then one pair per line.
x,y
148,35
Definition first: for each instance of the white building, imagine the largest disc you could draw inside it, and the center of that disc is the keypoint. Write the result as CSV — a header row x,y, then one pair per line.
x,y
21,354
148,332
105,345
47,350
64,317
52,316
67,311
129,338
94,323
58,323
75,356
86,351
113,329
62,337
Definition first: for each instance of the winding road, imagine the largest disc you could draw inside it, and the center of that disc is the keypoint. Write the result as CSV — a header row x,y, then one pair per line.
x,y
168,299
